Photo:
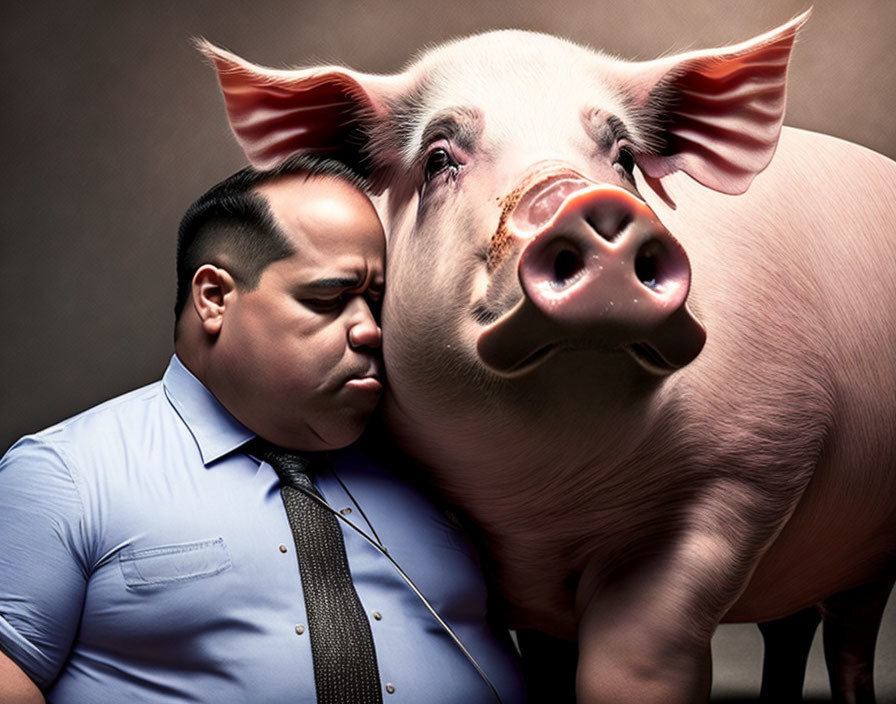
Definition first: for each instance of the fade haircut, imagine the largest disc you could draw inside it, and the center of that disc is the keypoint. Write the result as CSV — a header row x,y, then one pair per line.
x,y
231,225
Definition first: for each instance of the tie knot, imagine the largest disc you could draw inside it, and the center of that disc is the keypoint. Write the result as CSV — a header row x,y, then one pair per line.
x,y
293,467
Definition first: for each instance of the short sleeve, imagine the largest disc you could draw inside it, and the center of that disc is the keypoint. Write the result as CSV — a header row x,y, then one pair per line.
x,y
43,572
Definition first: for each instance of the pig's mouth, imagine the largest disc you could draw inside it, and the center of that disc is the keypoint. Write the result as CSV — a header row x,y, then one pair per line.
x,y
532,360
650,359
511,346
644,354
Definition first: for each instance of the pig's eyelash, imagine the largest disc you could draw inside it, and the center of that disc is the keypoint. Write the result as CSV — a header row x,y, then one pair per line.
x,y
618,129
624,146
458,125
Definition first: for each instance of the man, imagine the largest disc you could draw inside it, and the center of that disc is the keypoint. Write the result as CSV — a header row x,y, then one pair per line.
x,y
145,553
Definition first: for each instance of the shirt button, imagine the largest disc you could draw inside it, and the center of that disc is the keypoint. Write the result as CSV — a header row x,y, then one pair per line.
x,y
390,688
345,511
377,615
282,547
300,629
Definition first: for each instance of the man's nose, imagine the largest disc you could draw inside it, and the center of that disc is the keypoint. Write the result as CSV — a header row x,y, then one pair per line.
x,y
363,331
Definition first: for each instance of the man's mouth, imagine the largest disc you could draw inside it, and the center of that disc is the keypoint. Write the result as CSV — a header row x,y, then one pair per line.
x,y
366,384
369,378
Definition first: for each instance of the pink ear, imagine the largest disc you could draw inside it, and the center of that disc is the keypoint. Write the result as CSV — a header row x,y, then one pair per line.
x,y
276,113
714,114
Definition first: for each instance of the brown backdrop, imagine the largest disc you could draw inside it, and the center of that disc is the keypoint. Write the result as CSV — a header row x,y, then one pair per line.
x,y
111,125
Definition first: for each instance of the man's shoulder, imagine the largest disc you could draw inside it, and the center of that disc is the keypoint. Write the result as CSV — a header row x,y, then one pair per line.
x,y
100,428
112,413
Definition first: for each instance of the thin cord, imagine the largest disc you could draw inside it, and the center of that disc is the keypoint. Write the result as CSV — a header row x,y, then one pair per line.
x,y
382,549
379,542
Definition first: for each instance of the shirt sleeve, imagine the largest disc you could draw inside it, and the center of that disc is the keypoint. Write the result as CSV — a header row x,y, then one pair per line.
x,y
43,574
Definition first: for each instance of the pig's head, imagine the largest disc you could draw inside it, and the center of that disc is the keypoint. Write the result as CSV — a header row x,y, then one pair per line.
x,y
522,260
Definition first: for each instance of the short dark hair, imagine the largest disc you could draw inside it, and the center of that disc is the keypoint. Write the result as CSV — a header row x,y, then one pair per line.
x,y
231,225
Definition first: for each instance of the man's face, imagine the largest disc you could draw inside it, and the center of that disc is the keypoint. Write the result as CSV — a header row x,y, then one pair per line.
x,y
298,357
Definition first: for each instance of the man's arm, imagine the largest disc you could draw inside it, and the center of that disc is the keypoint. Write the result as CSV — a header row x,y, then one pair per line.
x,y
15,686
43,566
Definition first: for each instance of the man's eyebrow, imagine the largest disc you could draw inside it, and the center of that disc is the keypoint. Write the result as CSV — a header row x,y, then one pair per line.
x,y
335,282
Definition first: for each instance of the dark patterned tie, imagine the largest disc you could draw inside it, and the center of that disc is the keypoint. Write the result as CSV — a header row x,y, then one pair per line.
x,y
345,668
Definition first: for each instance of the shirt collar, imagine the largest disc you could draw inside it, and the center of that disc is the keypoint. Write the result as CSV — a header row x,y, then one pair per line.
x,y
216,432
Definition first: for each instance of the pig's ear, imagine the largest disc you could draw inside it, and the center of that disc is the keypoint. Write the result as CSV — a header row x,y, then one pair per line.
x,y
714,114
324,110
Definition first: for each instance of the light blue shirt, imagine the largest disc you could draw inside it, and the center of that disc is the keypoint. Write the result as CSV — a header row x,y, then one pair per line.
x,y
144,558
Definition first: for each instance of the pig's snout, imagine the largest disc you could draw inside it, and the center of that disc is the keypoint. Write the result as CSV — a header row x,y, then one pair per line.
x,y
599,270
605,256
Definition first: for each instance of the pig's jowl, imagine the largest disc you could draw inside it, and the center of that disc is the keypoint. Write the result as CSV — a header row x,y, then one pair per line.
x,y
641,334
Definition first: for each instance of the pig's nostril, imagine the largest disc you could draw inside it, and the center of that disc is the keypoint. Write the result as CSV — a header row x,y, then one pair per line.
x,y
647,264
567,265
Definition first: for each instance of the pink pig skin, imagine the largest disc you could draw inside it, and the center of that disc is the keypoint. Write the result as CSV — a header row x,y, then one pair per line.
x,y
721,450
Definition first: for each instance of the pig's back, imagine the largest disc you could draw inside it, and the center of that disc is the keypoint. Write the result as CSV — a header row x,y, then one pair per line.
x,y
795,283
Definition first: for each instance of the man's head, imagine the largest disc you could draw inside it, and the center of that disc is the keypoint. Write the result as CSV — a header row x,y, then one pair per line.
x,y
279,273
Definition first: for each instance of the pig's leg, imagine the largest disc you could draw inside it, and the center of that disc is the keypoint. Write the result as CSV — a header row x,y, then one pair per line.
x,y
787,643
638,646
851,623
549,666
646,621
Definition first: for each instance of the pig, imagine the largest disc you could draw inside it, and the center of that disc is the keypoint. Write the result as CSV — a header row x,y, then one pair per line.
x,y
642,335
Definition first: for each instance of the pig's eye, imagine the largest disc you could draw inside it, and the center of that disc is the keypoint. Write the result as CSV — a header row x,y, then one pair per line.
x,y
626,160
438,161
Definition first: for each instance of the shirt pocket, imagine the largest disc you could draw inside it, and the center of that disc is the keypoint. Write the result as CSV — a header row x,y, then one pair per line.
x,y
172,564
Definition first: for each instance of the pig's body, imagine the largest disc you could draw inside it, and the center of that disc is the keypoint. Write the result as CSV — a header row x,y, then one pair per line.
x,y
796,386
544,336
803,352
812,332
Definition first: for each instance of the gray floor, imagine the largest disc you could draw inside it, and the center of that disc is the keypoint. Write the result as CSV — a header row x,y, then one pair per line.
x,y
737,664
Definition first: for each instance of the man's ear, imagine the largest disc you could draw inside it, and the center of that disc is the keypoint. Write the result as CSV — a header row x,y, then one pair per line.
x,y
211,292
